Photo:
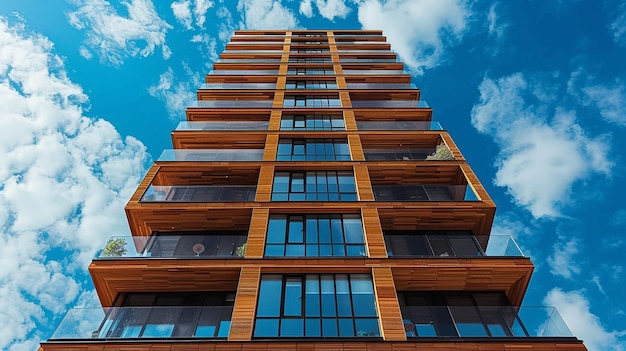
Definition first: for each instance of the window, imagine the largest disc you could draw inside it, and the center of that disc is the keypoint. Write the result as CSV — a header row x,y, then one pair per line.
x,y
310,71
311,84
312,122
299,101
203,244
314,186
309,59
433,243
309,51
326,305
313,150
315,235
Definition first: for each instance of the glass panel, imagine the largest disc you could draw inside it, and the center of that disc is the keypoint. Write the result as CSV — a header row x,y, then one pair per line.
x,y
353,229
312,297
328,296
293,297
270,288
276,229
291,327
343,295
266,327
363,300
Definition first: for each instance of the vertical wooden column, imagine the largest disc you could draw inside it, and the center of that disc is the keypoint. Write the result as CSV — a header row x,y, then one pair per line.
x,y
282,70
373,233
392,327
278,99
349,120
341,81
242,321
257,233
363,184
275,120
356,149
271,146
344,96
264,186
447,140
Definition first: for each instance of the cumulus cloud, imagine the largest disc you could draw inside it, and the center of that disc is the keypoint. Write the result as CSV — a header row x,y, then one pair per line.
x,y
618,26
329,9
574,307
64,180
610,100
226,28
265,14
185,11
543,151
115,38
177,94
562,261
495,28
418,30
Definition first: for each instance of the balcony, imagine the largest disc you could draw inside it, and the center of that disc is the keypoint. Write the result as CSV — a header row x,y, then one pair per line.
x,y
431,192
397,154
187,246
389,104
236,86
219,155
235,125
251,60
449,245
231,104
398,125
377,72
247,72
116,323
381,86
199,193
483,322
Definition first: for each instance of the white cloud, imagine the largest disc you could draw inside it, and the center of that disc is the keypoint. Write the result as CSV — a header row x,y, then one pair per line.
x,y
114,37
618,26
418,30
562,262
619,217
306,8
177,95
226,28
64,180
610,100
85,53
265,14
495,28
574,307
329,9
543,151
183,12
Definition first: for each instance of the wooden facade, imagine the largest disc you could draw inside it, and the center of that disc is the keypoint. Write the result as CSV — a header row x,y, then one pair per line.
x,y
378,114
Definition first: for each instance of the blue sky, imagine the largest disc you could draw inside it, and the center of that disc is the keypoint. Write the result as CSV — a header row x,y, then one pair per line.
x,y
533,92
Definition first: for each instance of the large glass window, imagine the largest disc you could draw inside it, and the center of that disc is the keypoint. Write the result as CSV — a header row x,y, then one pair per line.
x,y
309,51
310,59
314,186
431,243
310,71
297,101
313,150
312,122
326,305
315,235
311,84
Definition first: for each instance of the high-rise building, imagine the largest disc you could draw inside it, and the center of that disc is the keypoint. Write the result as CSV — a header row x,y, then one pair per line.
x,y
311,202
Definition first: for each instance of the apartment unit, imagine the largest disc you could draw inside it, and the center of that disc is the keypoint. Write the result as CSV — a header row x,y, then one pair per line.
x,y
310,202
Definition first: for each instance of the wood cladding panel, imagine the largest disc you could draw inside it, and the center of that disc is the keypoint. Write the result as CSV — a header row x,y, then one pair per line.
x,y
275,120
278,99
356,150
145,183
563,344
282,70
264,187
348,117
257,233
446,139
510,275
341,82
390,318
373,233
245,304
425,172
338,70
271,146
363,184
344,96
218,139
392,115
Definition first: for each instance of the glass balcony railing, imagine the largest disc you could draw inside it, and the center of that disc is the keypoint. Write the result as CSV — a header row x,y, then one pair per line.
x,y
397,154
188,246
250,60
356,52
231,104
381,86
116,323
235,125
251,51
244,72
367,60
423,193
199,193
242,86
373,72
211,155
488,321
398,125
449,245
390,104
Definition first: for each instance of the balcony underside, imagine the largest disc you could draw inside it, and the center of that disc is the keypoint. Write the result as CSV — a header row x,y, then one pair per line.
x,y
510,275
534,344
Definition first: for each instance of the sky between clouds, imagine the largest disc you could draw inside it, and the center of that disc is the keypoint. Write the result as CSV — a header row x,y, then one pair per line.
x,y
533,94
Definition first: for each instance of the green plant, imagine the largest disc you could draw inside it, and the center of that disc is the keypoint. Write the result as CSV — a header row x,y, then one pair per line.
x,y
442,153
114,248
241,250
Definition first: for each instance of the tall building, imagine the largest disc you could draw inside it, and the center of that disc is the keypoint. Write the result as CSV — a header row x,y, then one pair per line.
x,y
311,202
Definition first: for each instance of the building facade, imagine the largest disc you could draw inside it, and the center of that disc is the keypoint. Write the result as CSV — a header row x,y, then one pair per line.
x,y
310,201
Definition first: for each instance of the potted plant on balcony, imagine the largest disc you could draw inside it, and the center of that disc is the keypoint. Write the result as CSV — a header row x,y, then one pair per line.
x,y
115,247
442,153
241,250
